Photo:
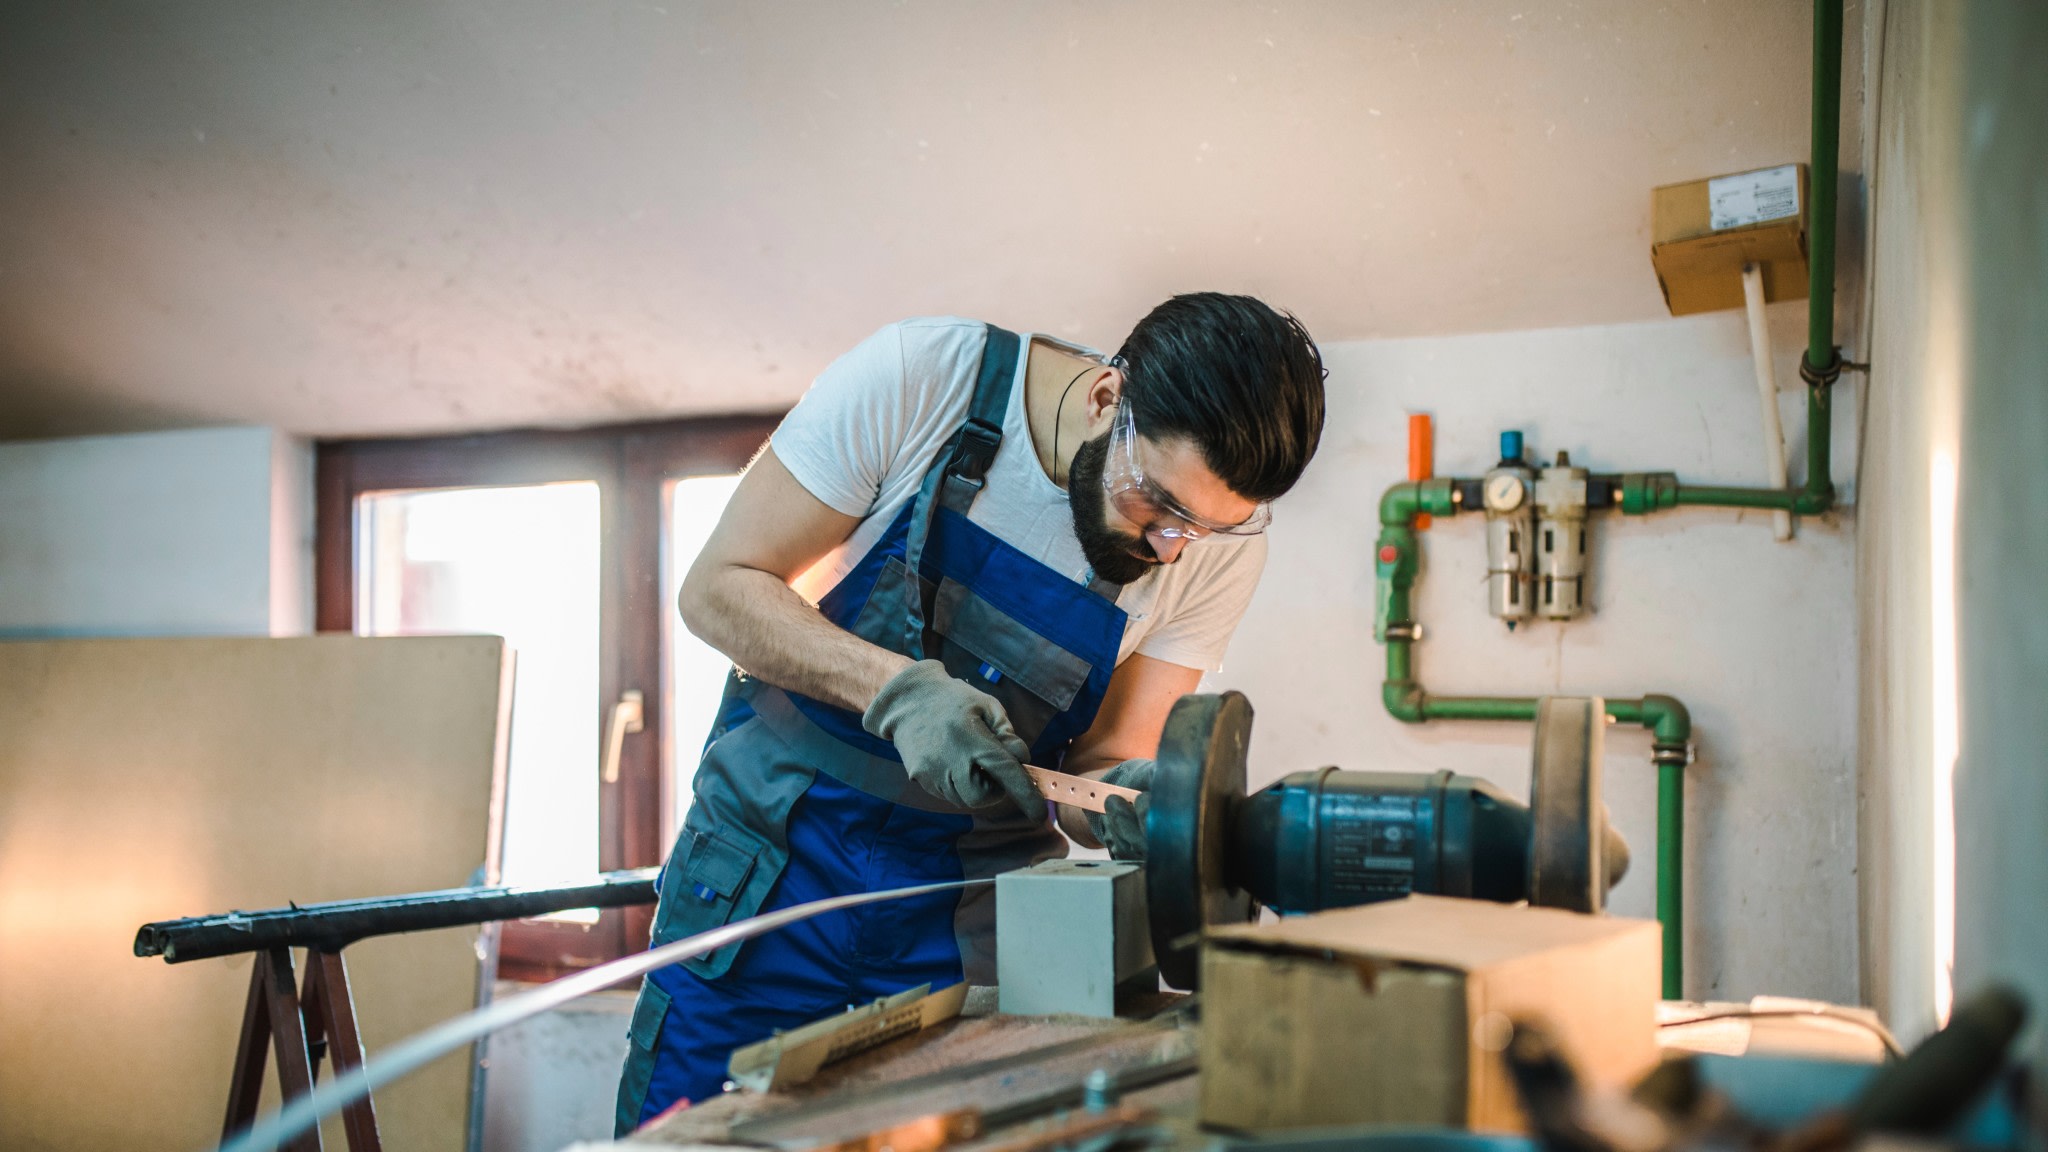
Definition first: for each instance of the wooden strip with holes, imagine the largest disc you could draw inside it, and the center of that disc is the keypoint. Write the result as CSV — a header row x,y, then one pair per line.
x,y
1077,791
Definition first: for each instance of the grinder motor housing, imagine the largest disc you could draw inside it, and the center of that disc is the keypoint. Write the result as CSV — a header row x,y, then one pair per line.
x,y
1332,839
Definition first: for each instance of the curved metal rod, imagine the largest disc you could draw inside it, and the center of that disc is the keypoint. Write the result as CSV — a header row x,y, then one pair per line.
x,y
410,1054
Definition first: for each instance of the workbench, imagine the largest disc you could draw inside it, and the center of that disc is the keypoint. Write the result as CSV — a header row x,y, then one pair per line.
x,y
999,1065
1013,1072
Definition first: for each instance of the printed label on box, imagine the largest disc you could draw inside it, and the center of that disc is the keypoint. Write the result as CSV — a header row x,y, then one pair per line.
x,y
1753,197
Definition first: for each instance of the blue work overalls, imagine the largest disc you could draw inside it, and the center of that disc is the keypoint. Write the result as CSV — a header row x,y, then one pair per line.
x,y
795,801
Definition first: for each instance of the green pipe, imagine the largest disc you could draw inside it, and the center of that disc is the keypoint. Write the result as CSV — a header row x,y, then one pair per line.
x,y
1479,708
1698,494
1402,501
1819,494
1827,118
1670,728
1407,702
1668,720
1640,493
1671,881
1821,364
1645,492
1669,723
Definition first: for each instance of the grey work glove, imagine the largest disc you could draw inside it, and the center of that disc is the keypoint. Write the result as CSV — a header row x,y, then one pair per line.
x,y
955,740
1121,827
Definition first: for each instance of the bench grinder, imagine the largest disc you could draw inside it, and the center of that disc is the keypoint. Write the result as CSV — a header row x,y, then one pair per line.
x,y
1331,839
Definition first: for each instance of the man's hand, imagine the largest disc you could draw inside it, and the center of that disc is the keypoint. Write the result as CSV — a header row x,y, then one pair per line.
x,y
1121,825
955,740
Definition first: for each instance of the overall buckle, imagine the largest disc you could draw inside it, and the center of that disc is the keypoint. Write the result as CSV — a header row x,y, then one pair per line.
x,y
977,450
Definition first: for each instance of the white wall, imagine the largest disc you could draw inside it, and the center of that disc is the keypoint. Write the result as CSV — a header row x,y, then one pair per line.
x,y
1757,638
171,533
474,214
1906,739
1954,661
2001,791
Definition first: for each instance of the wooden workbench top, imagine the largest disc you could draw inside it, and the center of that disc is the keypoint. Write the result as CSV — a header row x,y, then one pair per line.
x,y
980,1059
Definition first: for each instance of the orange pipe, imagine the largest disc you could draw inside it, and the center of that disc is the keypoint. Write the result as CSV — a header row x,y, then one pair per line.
x,y
1421,456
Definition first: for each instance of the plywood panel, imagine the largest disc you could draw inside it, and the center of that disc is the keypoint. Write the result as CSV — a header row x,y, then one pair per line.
x,y
150,779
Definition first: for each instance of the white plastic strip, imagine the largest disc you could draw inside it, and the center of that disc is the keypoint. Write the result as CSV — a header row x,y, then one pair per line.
x,y
410,1054
1766,389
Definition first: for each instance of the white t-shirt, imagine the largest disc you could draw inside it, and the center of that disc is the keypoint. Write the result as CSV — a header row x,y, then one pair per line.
x,y
870,427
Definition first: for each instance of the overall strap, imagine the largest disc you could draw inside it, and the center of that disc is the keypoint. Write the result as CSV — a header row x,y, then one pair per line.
x,y
961,469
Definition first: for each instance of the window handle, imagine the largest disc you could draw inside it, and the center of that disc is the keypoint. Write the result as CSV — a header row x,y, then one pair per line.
x,y
627,716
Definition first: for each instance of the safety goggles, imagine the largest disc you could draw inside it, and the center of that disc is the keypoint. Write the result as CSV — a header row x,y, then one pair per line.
x,y
1141,501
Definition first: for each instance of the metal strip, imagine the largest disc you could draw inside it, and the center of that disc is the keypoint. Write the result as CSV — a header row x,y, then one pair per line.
x,y
423,1048
1078,791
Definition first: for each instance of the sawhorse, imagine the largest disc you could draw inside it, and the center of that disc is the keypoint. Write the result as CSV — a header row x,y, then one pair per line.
x,y
304,1025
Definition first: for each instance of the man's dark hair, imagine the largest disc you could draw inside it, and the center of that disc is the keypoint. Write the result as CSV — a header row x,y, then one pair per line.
x,y
1240,380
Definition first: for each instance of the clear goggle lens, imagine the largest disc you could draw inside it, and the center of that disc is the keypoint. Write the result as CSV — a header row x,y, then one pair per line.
x,y
1137,499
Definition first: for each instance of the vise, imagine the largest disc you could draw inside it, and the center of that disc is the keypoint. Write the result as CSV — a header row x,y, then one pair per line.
x,y
1331,839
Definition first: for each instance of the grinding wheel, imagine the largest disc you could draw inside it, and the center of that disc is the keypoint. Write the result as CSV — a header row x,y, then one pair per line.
x,y
1568,831
1197,784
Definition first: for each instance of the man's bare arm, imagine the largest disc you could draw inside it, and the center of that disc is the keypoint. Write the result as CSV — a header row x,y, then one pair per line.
x,y
1133,713
737,597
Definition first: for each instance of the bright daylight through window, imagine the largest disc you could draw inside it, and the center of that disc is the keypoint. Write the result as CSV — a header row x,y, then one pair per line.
x,y
522,563
696,671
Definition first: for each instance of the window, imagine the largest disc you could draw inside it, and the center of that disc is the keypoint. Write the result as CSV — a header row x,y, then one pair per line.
x,y
571,545
520,562
696,671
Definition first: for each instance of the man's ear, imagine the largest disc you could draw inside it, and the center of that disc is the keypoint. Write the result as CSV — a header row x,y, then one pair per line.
x,y
1105,391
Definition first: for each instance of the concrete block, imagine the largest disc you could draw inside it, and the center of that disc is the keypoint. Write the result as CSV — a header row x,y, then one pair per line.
x,y
1070,936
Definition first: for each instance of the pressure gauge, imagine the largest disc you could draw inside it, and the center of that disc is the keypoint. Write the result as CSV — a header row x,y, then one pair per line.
x,y
1510,530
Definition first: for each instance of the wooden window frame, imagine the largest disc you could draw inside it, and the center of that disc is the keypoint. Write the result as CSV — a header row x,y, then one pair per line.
x,y
632,464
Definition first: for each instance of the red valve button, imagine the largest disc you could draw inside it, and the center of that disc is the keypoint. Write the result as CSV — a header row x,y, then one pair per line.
x,y
1389,553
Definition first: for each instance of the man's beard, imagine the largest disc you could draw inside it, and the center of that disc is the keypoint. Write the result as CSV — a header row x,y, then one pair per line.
x,y
1113,555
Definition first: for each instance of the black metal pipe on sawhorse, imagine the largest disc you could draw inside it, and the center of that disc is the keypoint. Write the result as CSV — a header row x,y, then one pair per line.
x,y
306,1023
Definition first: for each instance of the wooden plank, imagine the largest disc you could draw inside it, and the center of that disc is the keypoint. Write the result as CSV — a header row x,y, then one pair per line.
x,y
149,779
1001,1089
794,1057
972,1038
946,1067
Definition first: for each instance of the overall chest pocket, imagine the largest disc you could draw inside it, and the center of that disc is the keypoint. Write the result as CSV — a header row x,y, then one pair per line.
x,y
1034,678
1005,649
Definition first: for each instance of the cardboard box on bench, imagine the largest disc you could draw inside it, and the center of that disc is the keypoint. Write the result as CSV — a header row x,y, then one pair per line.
x,y
1392,1013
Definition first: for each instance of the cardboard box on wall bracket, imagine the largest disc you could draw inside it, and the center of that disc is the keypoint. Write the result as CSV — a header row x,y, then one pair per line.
x,y
1699,266
1392,1013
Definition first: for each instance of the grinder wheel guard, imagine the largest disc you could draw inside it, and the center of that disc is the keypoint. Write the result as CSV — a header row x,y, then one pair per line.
x,y
1568,832
1198,779
1213,854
